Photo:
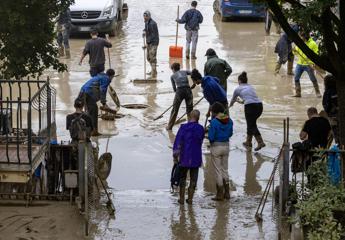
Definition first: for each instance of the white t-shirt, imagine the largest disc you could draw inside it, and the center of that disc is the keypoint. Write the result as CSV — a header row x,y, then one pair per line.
x,y
247,93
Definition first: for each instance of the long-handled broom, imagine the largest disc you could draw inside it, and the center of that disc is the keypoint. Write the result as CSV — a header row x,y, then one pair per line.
x,y
176,51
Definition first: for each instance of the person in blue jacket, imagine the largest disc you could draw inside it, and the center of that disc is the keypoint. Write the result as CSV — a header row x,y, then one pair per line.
x,y
212,90
187,149
93,91
219,133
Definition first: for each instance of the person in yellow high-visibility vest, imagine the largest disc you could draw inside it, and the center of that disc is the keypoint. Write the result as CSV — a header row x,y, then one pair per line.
x,y
304,64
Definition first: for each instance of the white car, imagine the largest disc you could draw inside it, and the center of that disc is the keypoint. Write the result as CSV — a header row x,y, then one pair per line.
x,y
100,15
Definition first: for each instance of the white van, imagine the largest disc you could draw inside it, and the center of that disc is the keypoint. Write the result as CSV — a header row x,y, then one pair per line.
x,y
101,15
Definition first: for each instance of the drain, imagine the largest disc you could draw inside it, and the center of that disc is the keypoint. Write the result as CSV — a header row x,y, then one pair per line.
x,y
135,106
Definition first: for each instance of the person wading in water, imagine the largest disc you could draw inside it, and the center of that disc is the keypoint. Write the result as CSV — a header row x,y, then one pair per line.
x,y
252,109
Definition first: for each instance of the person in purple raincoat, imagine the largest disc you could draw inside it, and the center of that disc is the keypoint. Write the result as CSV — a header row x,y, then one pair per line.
x,y
187,148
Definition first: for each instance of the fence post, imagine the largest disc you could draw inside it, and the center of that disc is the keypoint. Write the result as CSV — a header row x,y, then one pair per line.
x,y
284,173
49,109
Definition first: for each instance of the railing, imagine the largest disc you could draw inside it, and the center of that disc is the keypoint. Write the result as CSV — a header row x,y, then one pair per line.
x,y
27,113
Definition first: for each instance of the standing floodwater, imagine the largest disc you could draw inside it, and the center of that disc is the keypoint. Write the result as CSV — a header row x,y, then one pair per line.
x,y
141,147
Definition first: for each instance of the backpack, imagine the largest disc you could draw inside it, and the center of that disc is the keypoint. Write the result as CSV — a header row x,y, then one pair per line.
x,y
300,158
78,129
175,177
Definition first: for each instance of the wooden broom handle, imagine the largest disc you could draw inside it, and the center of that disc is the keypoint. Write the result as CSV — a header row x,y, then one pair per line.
x,y
178,11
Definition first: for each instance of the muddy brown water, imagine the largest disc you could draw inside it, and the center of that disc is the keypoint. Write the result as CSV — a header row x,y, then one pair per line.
x,y
141,147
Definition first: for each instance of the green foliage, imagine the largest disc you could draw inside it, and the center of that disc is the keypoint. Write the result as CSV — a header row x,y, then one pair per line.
x,y
27,36
317,210
308,18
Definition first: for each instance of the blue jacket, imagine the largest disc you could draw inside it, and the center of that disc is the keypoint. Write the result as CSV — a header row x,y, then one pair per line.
x,y
97,87
192,18
188,143
213,91
221,128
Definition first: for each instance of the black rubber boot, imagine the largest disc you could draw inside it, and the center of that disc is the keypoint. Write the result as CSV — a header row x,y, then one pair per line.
x,y
190,195
182,193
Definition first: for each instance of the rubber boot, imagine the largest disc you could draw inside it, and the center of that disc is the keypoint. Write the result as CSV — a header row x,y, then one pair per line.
x,y
317,89
190,195
68,53
248,142
260,141
182,193
290,68
61,51
187,55
220,194
277,68
154,71
226,190
298,90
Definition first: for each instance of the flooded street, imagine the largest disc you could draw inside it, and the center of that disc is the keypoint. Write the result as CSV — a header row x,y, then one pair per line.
x,y
141,147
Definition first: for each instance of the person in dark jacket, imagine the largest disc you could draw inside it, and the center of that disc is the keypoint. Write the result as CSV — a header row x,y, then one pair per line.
x,y
212,90
187,148
330,104
152,41
180,84
284,50
192,18
79,112
217,67
95,49
219,133
63,32
253,108
93,91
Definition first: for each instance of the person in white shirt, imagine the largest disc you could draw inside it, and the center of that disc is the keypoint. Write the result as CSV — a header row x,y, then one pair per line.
x,y
252,109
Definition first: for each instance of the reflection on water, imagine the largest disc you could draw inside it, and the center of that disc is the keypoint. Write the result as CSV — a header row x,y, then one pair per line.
x,y
186,227
220,228
251,185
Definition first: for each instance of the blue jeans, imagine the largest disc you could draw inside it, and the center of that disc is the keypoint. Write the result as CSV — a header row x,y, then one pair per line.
x,y
304,68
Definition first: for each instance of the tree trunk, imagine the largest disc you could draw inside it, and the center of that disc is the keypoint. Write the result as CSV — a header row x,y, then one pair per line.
x,y
341,113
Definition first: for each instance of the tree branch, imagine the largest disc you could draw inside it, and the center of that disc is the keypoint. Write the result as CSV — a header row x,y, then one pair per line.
x,y
322,62
328,41
296,3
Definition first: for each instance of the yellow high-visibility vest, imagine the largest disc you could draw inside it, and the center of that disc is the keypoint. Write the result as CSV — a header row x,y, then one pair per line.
x,y
302,58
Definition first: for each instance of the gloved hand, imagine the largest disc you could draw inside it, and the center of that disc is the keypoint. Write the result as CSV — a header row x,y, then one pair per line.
x,y
106,106
208,114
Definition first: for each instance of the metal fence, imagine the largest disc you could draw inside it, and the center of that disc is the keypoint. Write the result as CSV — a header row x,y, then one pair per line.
x,y
27,114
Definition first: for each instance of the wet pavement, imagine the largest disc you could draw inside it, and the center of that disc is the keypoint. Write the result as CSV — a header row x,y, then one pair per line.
x,y
141,147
